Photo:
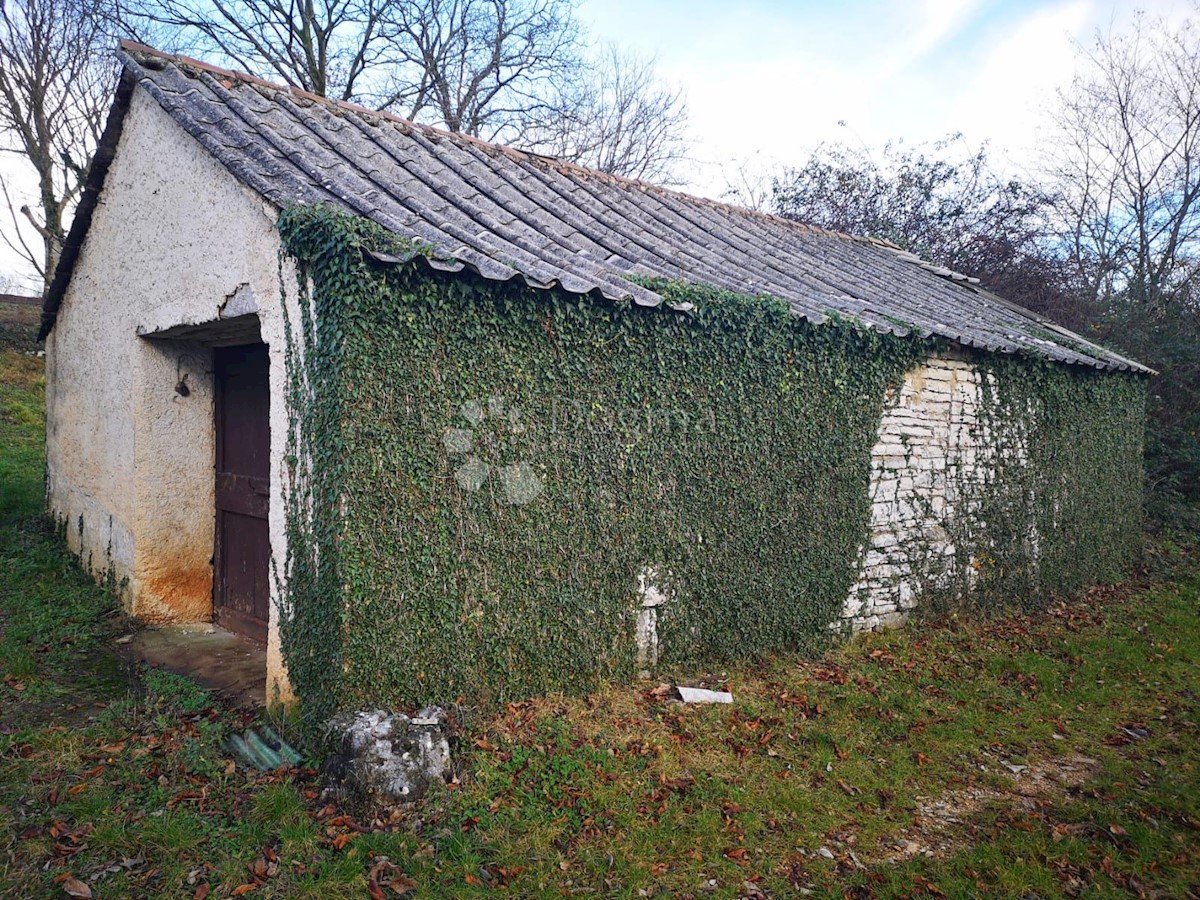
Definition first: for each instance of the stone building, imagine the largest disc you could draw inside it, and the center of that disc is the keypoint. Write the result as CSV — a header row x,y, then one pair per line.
x,y
172,352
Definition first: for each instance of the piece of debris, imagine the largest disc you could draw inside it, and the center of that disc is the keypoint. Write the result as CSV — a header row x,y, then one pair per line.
x,y
389,757
1015,769
700,695
825,852
262,749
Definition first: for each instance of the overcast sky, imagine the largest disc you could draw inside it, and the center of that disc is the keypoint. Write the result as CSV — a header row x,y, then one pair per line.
x,y
766,80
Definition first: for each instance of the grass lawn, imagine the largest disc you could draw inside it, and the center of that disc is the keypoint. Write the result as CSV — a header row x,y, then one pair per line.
x,y
1029,756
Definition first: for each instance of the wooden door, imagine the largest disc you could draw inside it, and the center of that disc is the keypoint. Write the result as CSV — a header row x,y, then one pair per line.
x,y
241,578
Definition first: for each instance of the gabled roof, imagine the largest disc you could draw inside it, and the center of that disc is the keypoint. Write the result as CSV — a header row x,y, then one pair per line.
x,y
507,214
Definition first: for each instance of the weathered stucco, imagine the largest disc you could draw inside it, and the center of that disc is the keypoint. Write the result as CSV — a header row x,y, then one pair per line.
x,y
174,241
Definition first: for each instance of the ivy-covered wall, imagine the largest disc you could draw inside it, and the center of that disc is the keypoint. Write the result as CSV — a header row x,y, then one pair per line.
x,y
483,473
998,482
1059,504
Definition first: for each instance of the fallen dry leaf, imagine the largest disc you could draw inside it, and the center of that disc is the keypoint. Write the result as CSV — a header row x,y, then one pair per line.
x,y
738,855
76,888
385,874
402,884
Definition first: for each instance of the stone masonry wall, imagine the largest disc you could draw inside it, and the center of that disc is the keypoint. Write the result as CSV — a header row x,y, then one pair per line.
x,y
930,451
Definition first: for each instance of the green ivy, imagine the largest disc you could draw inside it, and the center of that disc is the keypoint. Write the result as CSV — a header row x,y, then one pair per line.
x,y
1060,503
726,448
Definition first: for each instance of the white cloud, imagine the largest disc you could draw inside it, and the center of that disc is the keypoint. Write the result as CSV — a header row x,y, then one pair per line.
x,y
940,20
985,68
21,184
1002,96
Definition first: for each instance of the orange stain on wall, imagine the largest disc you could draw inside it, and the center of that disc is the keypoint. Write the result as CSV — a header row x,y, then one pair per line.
x,y
176,594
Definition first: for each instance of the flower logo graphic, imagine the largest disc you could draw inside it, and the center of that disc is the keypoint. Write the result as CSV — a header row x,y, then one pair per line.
x,y
518,482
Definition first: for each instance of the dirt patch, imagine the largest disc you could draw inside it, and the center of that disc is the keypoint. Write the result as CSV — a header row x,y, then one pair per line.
x,y
217,659
941,824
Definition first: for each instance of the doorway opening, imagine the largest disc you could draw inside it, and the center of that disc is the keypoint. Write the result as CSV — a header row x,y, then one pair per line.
x,y
242,541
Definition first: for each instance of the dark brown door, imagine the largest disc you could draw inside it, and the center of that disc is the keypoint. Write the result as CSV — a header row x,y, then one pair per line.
x,y
241,582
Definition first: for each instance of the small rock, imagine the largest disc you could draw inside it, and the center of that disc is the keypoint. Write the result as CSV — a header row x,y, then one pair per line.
x,y
825,852
699,695
388,757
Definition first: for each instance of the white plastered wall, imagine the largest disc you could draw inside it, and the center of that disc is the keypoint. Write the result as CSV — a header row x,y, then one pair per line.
x,y
174,239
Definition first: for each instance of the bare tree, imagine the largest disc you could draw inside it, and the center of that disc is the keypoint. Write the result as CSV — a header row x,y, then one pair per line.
x,y
13,283
55,86
332,48
480,67
1126,163
615,116
1123,161
512,71
474,66
749,182
935,200
944,202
